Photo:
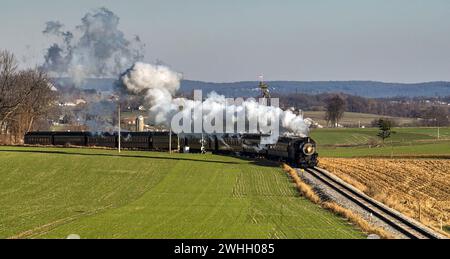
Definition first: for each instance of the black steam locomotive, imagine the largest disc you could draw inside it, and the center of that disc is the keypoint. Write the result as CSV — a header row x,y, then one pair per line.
x,y
299,152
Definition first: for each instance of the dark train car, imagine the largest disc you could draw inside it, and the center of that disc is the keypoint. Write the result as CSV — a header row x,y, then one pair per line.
x,y
191,142
70,138
299,152
251,144
160,141
39,138
136,140
102,139
194,143
229,143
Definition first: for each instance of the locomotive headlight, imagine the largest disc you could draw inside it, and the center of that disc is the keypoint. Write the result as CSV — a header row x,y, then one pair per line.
x,y
309,149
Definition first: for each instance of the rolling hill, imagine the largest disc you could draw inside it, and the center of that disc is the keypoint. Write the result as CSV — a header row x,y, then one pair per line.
x,y
250,88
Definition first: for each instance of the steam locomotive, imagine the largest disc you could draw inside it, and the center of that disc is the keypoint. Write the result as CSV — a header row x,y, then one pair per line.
x,y
297,151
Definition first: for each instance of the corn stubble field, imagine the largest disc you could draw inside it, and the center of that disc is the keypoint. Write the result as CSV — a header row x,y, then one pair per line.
x,y
51,193
410,172
419,188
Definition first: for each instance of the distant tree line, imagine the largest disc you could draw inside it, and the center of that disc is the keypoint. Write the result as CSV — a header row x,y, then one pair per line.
x,y
26,99
431,111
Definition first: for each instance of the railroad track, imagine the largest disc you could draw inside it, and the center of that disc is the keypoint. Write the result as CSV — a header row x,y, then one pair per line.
x,y
408,227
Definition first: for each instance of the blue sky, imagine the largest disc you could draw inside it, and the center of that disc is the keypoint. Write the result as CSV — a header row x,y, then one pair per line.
x,y
385,40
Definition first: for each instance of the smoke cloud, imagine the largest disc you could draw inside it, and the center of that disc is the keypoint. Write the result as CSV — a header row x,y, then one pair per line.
x,y
96,48
159,84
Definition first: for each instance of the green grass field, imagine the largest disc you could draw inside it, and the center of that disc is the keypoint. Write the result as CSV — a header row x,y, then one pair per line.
x,y
353,118
356,136
353,142
51,193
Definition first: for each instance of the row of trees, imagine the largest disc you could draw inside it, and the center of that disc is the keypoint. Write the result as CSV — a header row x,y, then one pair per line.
x,y
431,111
26,98
430,115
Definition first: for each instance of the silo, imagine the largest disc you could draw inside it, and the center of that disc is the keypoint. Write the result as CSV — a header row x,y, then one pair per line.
x,y
140,124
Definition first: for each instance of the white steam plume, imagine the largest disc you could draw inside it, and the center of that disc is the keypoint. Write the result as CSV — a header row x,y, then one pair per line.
x,y
159,84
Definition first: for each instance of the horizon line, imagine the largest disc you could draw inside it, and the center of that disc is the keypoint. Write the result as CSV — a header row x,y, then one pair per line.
x,y
282,80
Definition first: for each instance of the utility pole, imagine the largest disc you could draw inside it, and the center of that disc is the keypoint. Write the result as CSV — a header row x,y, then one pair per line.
x,y
170,140
119,125
180,109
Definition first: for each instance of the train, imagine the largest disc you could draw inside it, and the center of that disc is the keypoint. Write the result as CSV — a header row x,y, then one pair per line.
x,y
297,151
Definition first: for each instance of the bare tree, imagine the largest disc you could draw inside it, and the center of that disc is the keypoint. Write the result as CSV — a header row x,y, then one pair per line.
x,y
25,97
40,100
436,116
8,76
335,107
